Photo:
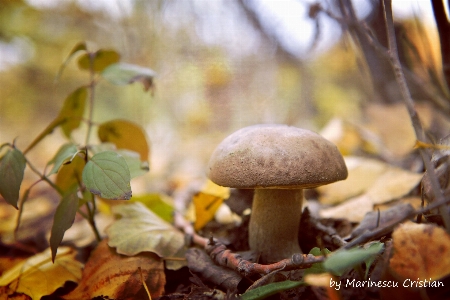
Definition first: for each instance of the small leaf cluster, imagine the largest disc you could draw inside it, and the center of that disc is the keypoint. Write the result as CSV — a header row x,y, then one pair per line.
x,y
83,171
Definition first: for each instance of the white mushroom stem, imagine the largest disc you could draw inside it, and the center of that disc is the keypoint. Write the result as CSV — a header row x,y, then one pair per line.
x,y
274,223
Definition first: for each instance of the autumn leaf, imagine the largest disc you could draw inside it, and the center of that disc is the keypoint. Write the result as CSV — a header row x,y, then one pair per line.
x,y
206,206
138,230
420,251
108,274
38,276
12,167
69,175
125,135
107,175
101,59
73,110
207,201
386,183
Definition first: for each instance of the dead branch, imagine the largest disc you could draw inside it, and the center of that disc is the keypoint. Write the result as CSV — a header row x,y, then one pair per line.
x,y
224,257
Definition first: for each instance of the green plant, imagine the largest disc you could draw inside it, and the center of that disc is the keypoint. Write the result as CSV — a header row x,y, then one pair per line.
x,y
84,171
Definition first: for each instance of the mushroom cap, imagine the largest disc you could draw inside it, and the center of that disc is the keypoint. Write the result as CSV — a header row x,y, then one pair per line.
x,y
275,156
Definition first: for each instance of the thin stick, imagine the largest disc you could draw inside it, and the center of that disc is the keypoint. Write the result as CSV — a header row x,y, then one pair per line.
x,y
406,95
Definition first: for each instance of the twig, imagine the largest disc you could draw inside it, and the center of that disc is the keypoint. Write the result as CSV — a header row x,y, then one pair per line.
x,y
381,231
406,95
224,257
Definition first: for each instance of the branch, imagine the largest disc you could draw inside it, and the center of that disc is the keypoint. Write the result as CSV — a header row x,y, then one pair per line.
x,y
224,257
406,95
443,27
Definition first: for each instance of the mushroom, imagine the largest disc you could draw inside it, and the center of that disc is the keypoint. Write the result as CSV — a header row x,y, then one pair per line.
x,y
278,161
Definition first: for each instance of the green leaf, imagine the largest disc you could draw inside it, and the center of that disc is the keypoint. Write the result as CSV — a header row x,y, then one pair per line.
x,y
12,167
63,220
138,230
108,176
81,46
101,60
64,155
73,110
317,268
270,289
133,159
125,135
123,74
343,260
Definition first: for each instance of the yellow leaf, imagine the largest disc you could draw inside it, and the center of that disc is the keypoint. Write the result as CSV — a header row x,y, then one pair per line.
x,y
420,251
216,190
205,208
70,175
125,135
38,276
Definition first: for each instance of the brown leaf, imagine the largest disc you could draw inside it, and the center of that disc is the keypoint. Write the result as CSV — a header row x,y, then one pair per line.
x,y
117,276
420,251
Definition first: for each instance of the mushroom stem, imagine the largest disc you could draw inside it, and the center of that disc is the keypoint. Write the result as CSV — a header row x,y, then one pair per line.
x,y
274,223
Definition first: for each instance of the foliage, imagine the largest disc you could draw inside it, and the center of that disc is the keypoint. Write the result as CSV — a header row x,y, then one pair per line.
x,y
83,166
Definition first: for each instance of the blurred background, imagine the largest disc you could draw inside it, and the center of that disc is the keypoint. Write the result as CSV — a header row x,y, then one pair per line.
x,y
221,65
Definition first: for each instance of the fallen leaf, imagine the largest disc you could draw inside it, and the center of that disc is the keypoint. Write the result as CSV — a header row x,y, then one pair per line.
x,y
388,122
207,201
139,230
38,276
390,184
420,251
362,173
108,274
206,206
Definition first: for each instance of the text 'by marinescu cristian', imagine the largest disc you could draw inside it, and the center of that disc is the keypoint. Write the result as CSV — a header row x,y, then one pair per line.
x,y
353,283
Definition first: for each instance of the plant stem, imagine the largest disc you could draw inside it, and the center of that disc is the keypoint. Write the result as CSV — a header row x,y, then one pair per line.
x,y
406,95
91,217
44,178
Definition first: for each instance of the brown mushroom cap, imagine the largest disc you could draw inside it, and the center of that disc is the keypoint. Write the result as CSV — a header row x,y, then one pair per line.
x,y
275,156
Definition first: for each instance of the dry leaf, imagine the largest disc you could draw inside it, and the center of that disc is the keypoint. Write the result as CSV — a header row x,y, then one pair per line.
x,y
393,183
115,276
207,201
140,230
388,122
362,173
206,206
420,251
38,276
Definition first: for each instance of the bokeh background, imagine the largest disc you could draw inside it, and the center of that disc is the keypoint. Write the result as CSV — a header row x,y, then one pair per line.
x,y
221,65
